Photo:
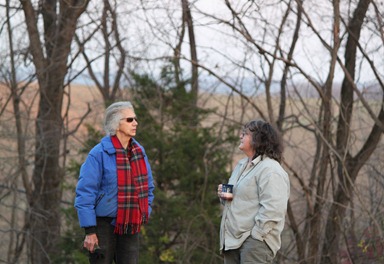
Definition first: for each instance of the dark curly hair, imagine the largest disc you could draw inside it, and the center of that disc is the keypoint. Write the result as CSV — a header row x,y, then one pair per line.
x,y
265,139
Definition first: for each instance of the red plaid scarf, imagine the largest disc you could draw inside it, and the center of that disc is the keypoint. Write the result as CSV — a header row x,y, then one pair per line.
x,y
132,192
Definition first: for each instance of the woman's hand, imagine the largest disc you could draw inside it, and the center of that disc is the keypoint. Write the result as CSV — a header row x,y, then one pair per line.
x,y
91,242
219,190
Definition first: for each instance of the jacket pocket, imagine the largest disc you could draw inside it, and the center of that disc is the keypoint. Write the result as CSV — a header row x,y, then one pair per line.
x,y
99,199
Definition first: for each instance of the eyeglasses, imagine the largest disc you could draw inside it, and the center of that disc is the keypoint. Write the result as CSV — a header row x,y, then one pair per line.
x,y
129,119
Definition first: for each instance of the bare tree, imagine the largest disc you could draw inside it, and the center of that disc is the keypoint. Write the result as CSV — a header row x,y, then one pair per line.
x,y
15,110
337,161
49,56
350,162
110,78
187,19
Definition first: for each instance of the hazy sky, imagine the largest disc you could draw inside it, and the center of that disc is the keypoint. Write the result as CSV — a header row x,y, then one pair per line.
x,y
151,32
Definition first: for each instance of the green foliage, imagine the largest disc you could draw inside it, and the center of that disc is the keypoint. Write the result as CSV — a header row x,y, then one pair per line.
x,y
72,236
71,240
94,137
188,161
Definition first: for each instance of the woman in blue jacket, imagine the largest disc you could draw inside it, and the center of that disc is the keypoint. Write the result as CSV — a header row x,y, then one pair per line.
x,y
115,190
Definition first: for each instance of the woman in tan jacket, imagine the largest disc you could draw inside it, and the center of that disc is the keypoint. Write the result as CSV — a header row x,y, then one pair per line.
x,y
253,220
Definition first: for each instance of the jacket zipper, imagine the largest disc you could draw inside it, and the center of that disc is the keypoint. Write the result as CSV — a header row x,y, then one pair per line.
x,y
99,199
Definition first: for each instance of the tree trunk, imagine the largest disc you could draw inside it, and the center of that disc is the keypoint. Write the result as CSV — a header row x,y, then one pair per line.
x,y
348,166
59,21
47,177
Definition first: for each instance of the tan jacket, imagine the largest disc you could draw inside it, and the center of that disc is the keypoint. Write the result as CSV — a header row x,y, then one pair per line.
x,y
260,196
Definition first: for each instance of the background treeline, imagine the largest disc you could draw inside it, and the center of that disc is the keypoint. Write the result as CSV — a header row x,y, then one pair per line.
x,y
195,71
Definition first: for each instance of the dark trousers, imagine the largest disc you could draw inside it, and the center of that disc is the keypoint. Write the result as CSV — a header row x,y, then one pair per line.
x,y
122,249
252,251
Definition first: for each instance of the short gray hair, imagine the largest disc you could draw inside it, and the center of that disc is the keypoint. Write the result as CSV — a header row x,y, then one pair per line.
x,y
113,116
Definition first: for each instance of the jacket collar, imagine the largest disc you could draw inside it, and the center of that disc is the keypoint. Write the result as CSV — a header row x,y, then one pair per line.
x,y
254,161
108,147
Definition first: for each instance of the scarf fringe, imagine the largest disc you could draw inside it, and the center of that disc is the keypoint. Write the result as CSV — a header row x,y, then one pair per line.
x,y
127,229
130,228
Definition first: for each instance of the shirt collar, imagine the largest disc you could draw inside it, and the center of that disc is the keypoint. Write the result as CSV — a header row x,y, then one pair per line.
x,y
256,160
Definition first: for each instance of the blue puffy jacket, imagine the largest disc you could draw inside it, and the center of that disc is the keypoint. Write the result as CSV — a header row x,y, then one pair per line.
x,y
96,190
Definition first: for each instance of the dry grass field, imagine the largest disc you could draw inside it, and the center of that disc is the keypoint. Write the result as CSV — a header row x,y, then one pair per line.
x,y
299,144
